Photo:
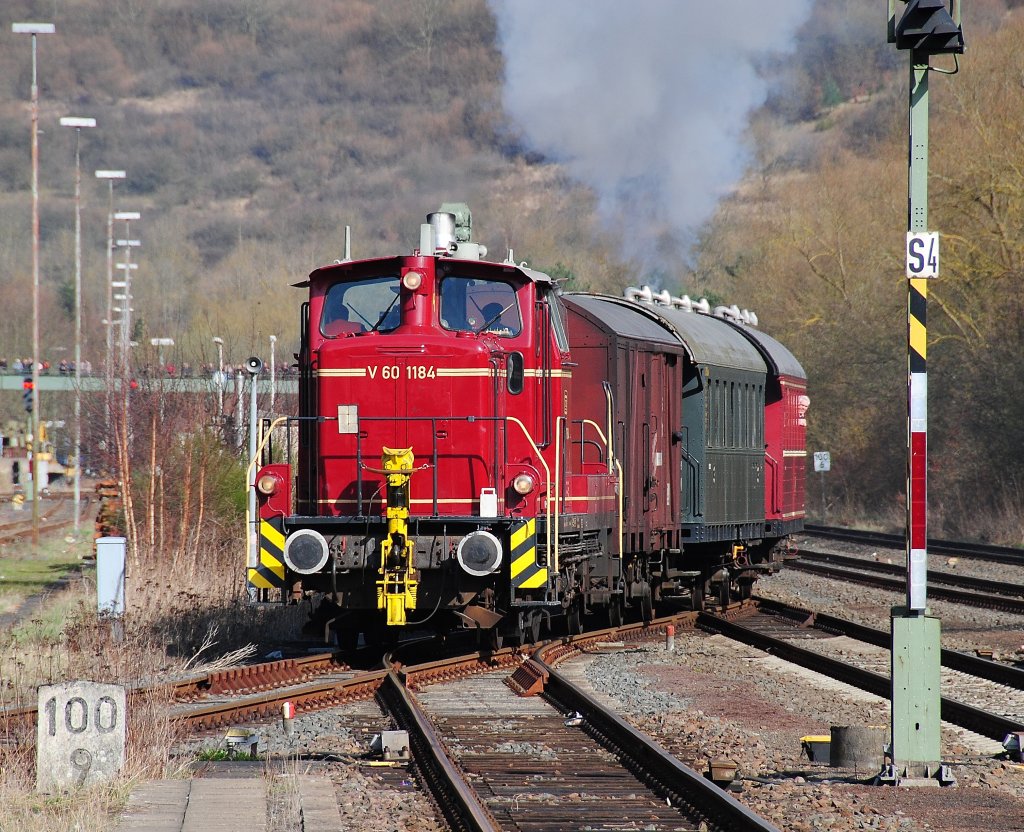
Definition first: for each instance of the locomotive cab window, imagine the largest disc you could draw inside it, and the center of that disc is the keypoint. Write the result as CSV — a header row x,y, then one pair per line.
x,y
558,322
367,305
472,304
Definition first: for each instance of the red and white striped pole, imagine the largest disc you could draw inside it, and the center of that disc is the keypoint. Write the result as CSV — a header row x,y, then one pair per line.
x,y
917,450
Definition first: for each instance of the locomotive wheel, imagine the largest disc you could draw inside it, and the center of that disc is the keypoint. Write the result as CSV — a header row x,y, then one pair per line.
x,y
492,639
348,638
574,621
615,613
528,627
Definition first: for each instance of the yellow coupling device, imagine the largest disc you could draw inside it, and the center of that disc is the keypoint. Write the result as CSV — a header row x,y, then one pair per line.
x,y
396,589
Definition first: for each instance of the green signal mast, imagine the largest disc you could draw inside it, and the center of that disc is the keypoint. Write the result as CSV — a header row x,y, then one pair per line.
x,y
925,28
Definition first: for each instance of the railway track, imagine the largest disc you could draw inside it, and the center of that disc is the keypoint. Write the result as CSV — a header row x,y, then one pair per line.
x,y
773,635
935,577
857,570
978,551
1012,676
533,769
57,518
490,759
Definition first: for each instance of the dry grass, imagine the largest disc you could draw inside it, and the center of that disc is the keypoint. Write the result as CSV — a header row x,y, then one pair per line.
x,y
186,612
163,638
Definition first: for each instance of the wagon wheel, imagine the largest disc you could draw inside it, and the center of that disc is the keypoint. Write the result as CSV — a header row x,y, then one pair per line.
x,y
646,605
697,596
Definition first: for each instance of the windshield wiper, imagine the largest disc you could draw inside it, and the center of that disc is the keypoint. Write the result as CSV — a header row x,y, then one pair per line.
x,y
384,314
496,316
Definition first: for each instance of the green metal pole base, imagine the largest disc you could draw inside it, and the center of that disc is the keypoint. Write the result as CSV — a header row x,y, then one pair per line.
x,y
916,697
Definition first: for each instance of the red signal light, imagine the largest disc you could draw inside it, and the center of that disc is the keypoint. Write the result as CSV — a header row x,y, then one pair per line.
x,y
27,384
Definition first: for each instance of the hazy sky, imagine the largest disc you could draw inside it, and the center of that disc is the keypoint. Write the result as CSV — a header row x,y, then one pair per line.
x,y
645,101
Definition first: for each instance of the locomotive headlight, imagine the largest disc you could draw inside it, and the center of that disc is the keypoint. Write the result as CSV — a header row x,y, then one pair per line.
x,y
412,280
523,484
267,484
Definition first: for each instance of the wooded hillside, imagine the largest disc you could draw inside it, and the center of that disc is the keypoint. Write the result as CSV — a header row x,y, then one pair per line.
x,y
253,131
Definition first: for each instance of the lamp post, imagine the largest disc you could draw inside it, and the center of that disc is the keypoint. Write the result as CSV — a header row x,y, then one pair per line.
x,y
35,29
160,343
126,297
273,373
78,123
220,377
108,367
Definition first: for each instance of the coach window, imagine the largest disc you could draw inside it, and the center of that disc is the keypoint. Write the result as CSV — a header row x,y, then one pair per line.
x,y
476,305
368,305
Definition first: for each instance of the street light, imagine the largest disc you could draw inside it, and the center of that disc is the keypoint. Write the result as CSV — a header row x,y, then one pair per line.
x,y
78,123
110,176
128,244
273,371
35,29
160,343
220,376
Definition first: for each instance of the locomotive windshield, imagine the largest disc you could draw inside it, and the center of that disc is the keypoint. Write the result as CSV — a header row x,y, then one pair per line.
x,y
364,305
475,304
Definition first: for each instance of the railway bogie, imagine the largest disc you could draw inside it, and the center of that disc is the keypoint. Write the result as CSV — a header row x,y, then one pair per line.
x,y
474,447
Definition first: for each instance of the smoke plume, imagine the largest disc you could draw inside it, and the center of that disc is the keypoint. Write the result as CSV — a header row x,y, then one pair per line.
x,y
644,101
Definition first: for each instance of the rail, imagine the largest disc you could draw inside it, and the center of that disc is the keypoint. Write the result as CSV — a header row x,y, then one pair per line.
x,y
455,797
993,726
981,551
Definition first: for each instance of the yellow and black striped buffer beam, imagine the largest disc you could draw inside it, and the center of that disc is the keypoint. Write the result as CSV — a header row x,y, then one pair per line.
x,y
526,573
269,574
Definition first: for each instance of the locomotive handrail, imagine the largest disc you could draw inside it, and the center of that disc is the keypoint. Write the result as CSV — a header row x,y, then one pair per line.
x,y
559,426
251,528
547,492
360,466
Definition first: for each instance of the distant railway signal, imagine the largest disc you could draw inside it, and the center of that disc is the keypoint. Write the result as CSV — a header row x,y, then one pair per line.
x,y
27,388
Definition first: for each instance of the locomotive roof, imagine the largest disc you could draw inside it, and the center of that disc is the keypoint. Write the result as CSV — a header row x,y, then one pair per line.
x,y
393,264
780,360
707,339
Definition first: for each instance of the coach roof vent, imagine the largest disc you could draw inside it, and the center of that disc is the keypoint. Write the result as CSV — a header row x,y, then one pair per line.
x,y
688,305
733,313
648,295
663,298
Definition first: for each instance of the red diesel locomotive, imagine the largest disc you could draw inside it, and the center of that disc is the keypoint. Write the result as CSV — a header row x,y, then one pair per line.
x,y
474,447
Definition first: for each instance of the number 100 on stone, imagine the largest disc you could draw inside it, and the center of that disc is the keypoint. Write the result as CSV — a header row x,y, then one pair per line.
x,y
80,736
